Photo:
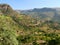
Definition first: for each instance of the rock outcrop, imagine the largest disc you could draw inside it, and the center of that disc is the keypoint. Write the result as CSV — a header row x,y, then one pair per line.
x,y
5,8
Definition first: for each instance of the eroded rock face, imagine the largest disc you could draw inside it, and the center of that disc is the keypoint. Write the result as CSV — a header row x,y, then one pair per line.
x,y
5,8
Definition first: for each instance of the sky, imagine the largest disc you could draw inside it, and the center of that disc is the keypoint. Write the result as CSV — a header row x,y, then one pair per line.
x,y
30,4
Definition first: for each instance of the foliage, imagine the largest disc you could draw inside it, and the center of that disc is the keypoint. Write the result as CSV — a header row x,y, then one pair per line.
x,y
18,29
7,33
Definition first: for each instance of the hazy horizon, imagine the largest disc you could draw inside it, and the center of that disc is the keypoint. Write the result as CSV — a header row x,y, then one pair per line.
x,y
30,4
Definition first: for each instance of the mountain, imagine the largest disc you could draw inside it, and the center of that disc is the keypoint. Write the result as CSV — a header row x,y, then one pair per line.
x,y
14,27
29,27
43,13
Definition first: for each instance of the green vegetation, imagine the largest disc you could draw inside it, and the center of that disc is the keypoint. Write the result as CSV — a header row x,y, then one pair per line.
x,y
7,32
18,29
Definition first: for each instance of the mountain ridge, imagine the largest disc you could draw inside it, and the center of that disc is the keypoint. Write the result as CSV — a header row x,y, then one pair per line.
x,y
43,13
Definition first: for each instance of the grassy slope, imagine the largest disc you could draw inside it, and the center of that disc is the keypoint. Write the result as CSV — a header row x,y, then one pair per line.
x,y
25,30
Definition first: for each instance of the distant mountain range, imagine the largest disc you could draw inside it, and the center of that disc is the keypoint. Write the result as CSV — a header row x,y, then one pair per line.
x,y
43,13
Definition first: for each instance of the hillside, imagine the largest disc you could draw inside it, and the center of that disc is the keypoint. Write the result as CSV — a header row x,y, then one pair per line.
x,y
23,29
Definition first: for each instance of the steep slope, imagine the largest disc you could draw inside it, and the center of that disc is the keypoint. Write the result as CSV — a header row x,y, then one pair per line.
x,y
20,29
8,31
5,9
